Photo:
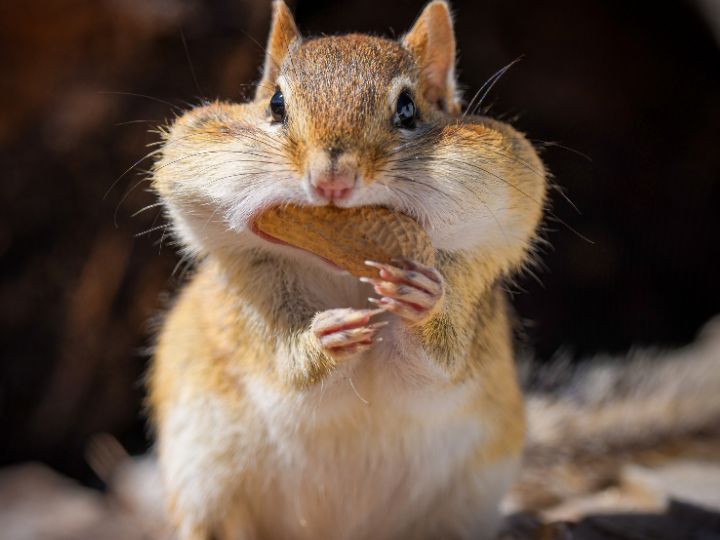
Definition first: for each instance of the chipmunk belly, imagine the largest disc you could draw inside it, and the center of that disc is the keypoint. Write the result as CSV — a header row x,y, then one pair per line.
x,y
376,454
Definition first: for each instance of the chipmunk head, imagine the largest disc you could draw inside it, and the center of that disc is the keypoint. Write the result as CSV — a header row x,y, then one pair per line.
x,y
342,103
347,120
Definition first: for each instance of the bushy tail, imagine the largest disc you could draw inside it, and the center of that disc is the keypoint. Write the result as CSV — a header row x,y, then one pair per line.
x,y
585,423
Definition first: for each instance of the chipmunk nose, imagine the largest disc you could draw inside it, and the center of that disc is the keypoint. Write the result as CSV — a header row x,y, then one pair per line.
x,y
333,187
333,175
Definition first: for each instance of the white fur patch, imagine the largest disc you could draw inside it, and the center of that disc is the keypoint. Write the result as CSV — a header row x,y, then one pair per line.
x,y
369,453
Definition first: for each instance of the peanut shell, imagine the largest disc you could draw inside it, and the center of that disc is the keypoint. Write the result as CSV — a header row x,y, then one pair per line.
x,y
349,236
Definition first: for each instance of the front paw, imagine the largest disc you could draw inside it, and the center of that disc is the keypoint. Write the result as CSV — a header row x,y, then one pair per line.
x,y
346,332
409,289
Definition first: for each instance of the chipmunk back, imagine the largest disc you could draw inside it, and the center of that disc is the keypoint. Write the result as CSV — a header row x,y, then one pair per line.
x,y
295,401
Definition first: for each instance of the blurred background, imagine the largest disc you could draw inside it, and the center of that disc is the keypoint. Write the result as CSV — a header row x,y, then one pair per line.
x,y
622,97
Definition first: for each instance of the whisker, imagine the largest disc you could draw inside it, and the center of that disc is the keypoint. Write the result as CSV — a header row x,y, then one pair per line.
x,y
268,142
509,184
559,189
555,144
145,208
162,237
540,174
151,229
185,260
133,94
124,198
127,171
562,222
487,86
205,153
190,63
263,173
129,122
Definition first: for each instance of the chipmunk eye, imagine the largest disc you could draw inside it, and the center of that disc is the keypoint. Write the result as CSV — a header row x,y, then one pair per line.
x,y
405,111
277,106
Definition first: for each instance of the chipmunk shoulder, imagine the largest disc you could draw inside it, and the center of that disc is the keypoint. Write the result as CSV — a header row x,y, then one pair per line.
x,y
294,401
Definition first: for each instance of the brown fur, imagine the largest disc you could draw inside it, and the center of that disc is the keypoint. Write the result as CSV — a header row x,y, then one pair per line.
x,y
243,325
588,424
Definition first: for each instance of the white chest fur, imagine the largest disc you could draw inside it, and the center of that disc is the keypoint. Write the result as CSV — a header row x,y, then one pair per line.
x,y
372,454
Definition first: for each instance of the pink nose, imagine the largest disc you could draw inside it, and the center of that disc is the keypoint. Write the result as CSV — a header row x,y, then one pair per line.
x,y
333,187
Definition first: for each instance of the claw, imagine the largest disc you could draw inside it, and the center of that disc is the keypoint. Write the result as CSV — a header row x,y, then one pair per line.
x,y
334,320
410,290
421,280
345,332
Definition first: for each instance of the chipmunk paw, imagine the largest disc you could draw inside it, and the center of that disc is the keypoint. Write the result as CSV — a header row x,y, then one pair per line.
x,y
409,289
345,332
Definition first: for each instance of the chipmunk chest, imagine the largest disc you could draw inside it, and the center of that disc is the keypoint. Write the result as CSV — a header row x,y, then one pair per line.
x,y
383,457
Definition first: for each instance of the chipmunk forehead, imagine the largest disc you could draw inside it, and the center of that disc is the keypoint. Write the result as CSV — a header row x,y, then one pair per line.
x,y
355,60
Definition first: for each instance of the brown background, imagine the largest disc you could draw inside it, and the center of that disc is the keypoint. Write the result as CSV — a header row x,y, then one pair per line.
x,y
633,85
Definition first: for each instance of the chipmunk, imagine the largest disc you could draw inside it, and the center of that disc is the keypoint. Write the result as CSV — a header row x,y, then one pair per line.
x,y
292,400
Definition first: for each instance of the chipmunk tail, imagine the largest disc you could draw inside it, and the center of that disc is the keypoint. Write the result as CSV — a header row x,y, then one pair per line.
x,y
587,422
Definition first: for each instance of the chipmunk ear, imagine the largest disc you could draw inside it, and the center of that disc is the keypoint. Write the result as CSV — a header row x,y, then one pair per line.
x,y
432,42
283,34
